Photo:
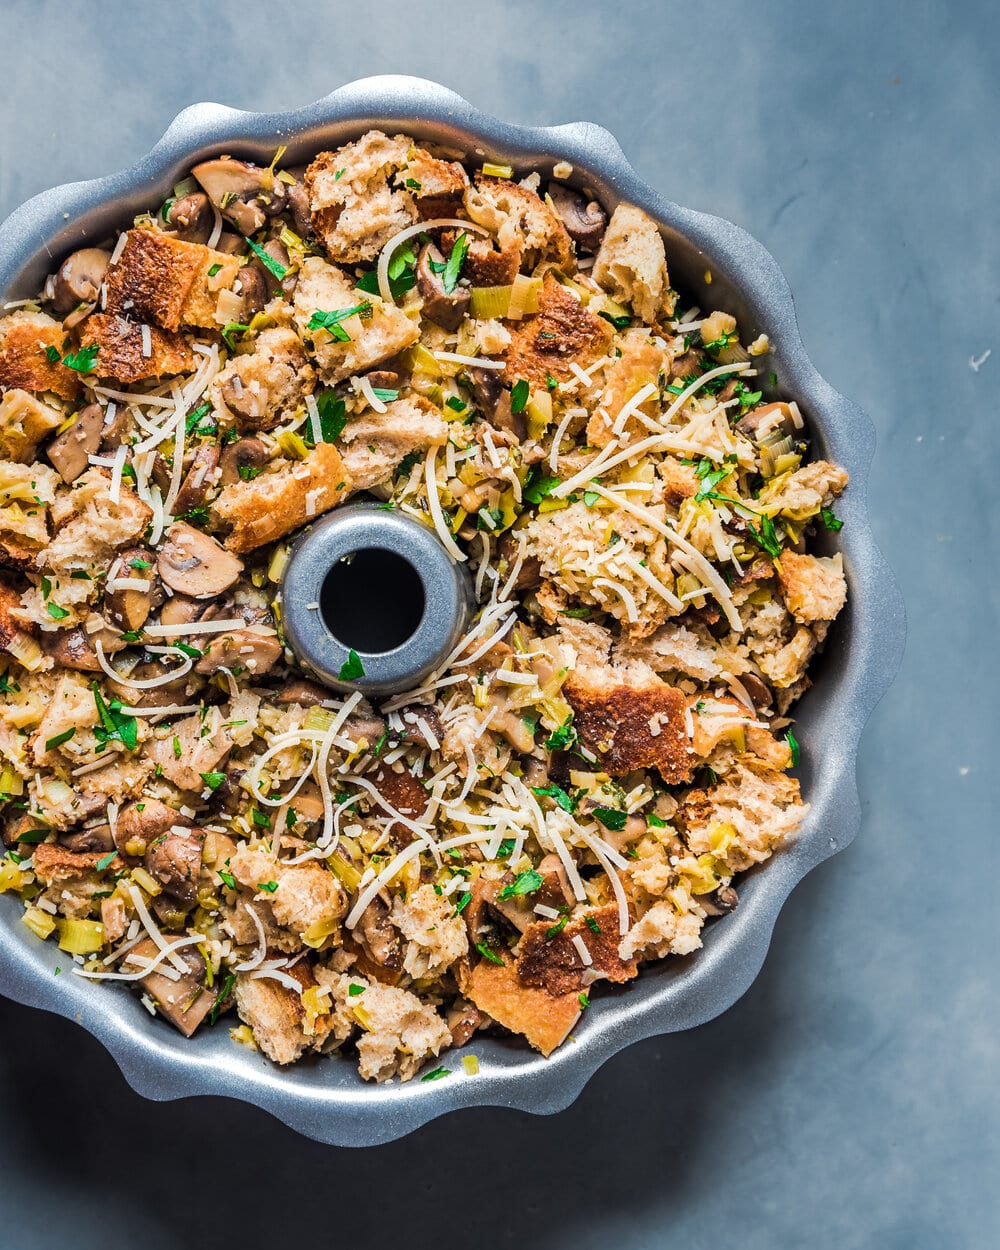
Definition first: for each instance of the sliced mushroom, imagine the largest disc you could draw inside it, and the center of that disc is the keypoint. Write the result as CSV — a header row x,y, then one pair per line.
x,y
180,610
237,190
487,388
767,419
529,575
96,838
463,1020
298,207
245,453
379,937
74,648
191,217
243,649
253,292
174,860
444,309
231,244
248,405
69,450
186,1001
585,220
199,479
194,564
307,693
759,692
129,607
141,822
720,901
115,430
78,279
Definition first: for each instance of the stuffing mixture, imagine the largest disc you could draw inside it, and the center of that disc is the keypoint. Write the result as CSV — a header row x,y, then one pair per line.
x,y
574,792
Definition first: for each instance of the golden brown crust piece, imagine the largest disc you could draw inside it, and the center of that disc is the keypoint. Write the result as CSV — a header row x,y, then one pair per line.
x,y
24,422
613,720
165,282
270,506
553,963
24,338
10,625
545,1020
53,862
277,1017
561,332
120,345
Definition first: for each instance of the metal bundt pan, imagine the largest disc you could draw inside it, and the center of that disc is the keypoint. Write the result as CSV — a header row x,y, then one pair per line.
x,y
326,1099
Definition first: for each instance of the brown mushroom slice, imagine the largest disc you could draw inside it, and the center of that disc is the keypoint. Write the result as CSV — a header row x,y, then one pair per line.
x,y
78,279
74,648
242,649
463,1020
141,821
174,860
180,610
380,940
96,838
236,188
246,454
446,309
199,479
585,220
279,254
299,690
191,218
185,1002
128,607
69,450
298,206
720,902
194,564
253,292
767,419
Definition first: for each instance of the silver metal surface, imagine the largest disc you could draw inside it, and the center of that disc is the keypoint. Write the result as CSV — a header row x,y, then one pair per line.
x,y
326,1099
446,603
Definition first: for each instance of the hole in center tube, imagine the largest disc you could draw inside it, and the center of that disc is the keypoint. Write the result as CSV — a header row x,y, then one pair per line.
x,y
372,600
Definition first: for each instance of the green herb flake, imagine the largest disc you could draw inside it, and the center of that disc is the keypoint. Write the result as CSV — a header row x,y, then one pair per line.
x,y
330,321
115,724
562,738
106,861
830,519
213,780
268,886
56,612
794,747
267,260
655,822
82,361
436,1074
554,792
31,837
455,262
230,329
59,739
593,924
352,669
557,928
455,404
224,991
486,953
228,879
611,818
584,1000
53,354
524,883
620,323
766,537
384,394
536,488
462,903
519,395
213,270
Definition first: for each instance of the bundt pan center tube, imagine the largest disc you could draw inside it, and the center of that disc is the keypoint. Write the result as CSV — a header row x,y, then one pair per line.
x,y
328,1100
371,600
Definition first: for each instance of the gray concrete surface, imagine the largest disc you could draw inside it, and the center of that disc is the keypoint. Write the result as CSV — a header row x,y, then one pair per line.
x,y
849,1101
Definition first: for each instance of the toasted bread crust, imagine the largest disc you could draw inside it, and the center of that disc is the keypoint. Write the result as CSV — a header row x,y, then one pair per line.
x,y
561,332
165,282
120,353
554,964
270,506
612,719
53,862
24,338
543,1018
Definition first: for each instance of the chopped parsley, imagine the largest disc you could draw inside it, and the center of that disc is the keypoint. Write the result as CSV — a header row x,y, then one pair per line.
x,y
213,270
537,487
519,395
227,878
557,928
794,747
330,321
267,260
611,818
524,883
59,739
462,903
56,612
384,394
620,323
224,990
656,822
593,924
455,262
563,737
230,329
486,953
354,990
106,861
268,886
766,537
352,669
213,780
557,793
584,999
436,1074
830,520
82,361
115,725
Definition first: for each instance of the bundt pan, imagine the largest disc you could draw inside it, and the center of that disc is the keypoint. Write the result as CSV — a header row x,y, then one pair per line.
x,y
326,1099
